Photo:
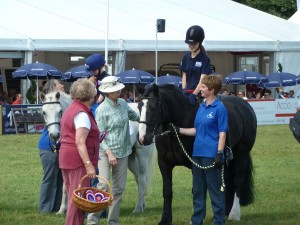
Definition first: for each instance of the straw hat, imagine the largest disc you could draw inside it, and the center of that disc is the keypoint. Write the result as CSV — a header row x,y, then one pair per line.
x,y
110,84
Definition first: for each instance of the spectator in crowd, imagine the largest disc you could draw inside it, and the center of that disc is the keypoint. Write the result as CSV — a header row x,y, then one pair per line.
x,y
2,101
232,93
267,94
241,94
224,92
291,94
80,138
19,99
113,116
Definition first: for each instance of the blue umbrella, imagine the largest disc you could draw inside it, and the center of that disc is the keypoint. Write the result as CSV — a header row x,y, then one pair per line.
x,y
282,79
170,79
135,77
76,72
245,77
36,70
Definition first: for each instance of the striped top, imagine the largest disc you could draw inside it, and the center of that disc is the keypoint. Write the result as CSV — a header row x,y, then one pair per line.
x,y
115,121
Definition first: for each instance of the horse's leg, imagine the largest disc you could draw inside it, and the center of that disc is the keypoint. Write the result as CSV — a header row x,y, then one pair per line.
x,y
243,181
166,172
136,165
64,201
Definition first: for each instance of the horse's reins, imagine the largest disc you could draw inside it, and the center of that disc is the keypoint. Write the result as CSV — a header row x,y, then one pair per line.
x,y
156,125
53,123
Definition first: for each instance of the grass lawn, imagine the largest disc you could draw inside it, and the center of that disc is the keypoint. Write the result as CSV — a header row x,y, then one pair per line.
x,y
276,159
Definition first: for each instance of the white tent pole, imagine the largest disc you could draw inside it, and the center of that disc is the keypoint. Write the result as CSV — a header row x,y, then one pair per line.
x,y
133,92
107,29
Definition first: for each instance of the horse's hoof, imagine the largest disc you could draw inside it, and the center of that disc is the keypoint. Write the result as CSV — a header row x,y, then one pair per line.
x,y
61,212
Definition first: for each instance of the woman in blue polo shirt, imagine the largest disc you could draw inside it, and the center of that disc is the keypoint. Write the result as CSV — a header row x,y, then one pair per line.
x,y
195,64
211,125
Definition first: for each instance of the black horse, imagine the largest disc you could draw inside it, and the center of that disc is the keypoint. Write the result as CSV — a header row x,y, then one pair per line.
x,y
166,104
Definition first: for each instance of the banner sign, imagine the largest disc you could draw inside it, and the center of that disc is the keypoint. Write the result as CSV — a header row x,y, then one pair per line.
x,y
8,126
274,111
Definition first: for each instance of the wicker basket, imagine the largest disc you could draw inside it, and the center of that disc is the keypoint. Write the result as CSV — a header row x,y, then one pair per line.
x,y
88,206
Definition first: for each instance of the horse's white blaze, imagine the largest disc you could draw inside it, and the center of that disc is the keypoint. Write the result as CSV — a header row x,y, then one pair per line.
x,y
143,126
235,213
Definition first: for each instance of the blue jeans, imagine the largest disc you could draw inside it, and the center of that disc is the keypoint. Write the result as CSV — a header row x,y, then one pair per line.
x,y
203,180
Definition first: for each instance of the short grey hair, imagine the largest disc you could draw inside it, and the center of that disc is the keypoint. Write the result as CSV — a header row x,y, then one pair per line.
x,y
83,90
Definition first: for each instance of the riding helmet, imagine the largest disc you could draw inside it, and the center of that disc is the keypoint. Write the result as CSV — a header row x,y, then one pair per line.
x,y
94,62
195,34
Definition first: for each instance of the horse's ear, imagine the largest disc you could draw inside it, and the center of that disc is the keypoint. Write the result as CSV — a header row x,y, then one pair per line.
x,y
155,89
42,96
57,95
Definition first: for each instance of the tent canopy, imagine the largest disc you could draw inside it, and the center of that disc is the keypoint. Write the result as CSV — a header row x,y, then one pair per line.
x,y
81,25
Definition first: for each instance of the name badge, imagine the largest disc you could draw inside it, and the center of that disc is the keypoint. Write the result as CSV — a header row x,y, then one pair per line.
x,y
198,64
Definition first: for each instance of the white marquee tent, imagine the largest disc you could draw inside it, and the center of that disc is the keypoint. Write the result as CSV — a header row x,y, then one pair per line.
x,y
81,25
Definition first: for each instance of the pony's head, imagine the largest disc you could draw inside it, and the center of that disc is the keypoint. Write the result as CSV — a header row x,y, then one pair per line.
x,y
52,112
150,108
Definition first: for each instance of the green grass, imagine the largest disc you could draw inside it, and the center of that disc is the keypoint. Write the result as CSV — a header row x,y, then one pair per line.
x,y
276,159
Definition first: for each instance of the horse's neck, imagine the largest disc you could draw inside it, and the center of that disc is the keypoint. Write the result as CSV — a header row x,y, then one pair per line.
x,y
177,110
65,100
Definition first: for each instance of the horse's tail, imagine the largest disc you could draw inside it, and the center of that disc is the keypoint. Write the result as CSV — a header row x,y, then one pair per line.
x,y
247,189
151,165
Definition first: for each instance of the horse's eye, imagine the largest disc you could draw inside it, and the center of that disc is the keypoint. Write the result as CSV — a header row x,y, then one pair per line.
x,y
43,113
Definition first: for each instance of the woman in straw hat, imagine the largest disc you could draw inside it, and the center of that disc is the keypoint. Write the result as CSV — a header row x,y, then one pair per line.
x,y
113,116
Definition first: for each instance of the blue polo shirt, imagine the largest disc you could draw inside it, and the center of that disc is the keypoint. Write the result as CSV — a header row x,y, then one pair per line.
x,y
194,67
210,121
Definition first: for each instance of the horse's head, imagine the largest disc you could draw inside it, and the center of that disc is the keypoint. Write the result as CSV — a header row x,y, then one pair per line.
x,y
150,108
52,112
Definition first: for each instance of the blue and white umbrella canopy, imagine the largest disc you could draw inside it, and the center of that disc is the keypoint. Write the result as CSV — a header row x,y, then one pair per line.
x,y
36,70
135,77
245,77
76,73
170,79
282,79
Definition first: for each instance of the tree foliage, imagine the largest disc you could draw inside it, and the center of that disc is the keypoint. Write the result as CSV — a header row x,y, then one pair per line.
x,y
281,8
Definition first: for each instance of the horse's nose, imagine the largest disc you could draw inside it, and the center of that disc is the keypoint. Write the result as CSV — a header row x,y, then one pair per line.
x,y
55,137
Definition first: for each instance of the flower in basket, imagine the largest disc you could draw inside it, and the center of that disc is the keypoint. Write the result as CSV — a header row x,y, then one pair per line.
x,y
99,196
104,199
79,194
90,197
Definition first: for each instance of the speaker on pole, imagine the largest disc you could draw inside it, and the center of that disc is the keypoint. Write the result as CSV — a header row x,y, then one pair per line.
x,y
160,24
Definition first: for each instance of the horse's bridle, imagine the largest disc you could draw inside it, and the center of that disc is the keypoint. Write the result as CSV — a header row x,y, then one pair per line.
x,y
155,124
50,103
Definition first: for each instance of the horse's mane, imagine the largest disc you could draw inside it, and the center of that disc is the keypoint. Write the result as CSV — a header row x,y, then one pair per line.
x,y
180,111
64,99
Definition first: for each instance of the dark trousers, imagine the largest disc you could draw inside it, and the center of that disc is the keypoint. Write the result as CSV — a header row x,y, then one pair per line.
x,y
203,180
51,187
